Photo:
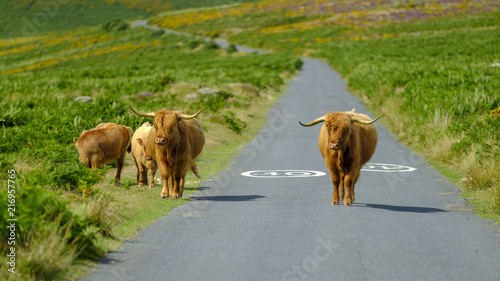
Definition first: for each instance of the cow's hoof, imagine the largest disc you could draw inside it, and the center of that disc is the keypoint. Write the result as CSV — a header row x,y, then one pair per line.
x,y
335,202
141,185
163,196
347,203
152,186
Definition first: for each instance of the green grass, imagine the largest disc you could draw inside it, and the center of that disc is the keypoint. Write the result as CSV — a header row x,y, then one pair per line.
x,y
28,18
433,77
81,211
34,17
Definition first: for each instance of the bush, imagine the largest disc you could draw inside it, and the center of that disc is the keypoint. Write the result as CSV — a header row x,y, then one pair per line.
x,y
211,45
115,25
232,122
38,209
158,33
12,116
232,49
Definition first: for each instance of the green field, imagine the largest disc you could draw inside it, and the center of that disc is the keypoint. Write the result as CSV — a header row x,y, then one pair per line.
x,y
79,209
32,17
431,67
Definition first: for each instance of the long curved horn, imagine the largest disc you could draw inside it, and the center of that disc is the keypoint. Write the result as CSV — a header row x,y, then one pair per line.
x,y
317,121
354,119
151,114
185,116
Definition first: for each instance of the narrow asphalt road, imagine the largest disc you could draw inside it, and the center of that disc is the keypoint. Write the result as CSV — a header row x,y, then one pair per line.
x,y
275,221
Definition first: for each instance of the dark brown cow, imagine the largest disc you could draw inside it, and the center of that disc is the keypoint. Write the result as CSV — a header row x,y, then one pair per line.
x,y
175,141
107,143
347,141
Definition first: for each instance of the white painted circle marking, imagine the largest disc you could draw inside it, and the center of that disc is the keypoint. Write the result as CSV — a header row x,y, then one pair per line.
x,y
386,168
282,174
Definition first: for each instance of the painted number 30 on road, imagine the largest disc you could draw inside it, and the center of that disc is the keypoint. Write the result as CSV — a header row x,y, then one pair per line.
x,y
282,174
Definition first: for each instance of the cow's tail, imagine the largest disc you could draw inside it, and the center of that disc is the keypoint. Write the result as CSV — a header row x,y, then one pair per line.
x,y
194,169
131,132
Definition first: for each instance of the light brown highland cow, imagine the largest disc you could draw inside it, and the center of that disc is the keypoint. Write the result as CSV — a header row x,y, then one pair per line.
x,y
174,141
347,141
143,159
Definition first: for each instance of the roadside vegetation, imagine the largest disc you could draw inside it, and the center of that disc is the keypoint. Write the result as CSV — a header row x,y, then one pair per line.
x,y
431,67
69,215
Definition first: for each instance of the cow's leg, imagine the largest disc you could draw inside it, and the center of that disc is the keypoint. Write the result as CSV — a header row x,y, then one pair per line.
x,y
142,175
171,185
341,187
177,186
119,164
152,178
181,185
164,176
336,183
138,173
349,189
353,185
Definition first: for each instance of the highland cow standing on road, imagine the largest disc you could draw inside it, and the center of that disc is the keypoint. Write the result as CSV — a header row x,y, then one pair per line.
x,y
143,159
174,141
347,141
107,143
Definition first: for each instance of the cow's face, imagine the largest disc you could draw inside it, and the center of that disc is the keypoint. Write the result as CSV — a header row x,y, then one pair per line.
x,y
165,126
339,130
145,151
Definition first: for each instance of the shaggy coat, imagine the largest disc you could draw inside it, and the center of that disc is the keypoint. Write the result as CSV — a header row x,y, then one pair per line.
x,y
142,157
347,141
106,144
174,141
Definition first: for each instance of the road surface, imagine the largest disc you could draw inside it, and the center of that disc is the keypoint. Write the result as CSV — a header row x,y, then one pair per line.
x,y
275,221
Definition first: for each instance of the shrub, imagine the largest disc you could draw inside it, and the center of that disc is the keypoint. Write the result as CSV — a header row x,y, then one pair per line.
x,y
232,49
211,45
12,116
38,210
232,122
158,33
115,25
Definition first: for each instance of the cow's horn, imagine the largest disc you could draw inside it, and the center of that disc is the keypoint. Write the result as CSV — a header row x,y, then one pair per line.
x,y
354,119
317,121
185,116
151,114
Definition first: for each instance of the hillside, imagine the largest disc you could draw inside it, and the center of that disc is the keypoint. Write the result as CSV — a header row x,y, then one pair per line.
x,y
31,17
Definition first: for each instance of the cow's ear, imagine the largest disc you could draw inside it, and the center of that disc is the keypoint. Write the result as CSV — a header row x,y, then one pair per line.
x,y
140,142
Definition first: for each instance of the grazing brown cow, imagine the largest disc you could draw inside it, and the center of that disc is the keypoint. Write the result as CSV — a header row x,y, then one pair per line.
x,y
142,157
175,141
107,143
347,141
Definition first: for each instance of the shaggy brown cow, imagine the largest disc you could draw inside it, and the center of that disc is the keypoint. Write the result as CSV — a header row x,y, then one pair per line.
x,y
347,141
175,141
107,143
142,157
